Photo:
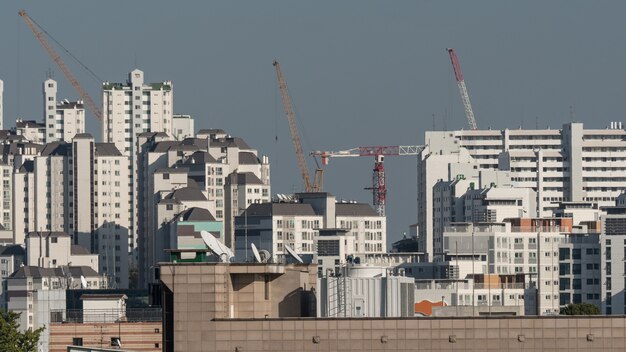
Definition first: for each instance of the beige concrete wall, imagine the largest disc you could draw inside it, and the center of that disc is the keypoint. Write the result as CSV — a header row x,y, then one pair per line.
x,y
411,334
134,336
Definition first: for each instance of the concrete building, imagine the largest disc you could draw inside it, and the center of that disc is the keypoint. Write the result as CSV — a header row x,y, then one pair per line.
x,y
62,119
82,189
236,290
459,201
31,130
35,292
612,259
215,314
522,246
572,164
134,107
182,127
580,279
11,258
476,295
55,249
271,226
101,336
223,172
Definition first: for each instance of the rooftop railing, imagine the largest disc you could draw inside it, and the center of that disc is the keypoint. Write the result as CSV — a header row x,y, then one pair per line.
x,y
131,315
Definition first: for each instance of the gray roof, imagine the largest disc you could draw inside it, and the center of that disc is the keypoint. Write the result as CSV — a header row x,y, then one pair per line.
x,y
83,136
229,142
78,250
107,149
164,146
56,148
211,131
47,234
247,178
354,209
288,209
29,124
27,166
171,170
195,214
13,249
248,158
38,273
186,194
199,157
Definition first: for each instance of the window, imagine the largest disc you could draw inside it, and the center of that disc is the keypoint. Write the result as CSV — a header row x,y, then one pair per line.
x,y
116,342
77,341
576,253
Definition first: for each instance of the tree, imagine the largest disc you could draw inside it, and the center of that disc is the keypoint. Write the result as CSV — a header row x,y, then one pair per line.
x,y
12,339
580,309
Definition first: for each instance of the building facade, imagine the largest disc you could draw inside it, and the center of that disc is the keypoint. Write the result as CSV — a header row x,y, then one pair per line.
x,y
568,164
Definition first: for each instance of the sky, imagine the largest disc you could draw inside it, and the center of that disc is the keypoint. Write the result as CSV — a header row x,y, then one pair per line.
x,y
360,73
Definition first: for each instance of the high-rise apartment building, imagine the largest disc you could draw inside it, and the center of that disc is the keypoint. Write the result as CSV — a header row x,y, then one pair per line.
x,y
64,119
134,107
213,171
568,164
80,188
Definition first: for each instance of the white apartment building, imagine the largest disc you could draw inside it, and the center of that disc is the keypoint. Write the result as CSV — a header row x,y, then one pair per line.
x,y
525,246
613,261
134,107
182,127
225,170
459,201
571,164
580,279
64,119
12,257
272,226
368,229
81,188
32,131
55,249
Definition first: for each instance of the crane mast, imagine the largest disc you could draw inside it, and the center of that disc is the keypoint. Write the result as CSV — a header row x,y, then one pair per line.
x,y
57,59
458,74
295,137
379,180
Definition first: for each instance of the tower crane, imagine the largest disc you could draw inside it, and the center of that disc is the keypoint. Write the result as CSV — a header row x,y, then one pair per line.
x,y
316,186
458,74
35,28
379,184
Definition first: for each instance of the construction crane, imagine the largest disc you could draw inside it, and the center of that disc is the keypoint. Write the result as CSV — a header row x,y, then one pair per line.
x,y
379,183
35,28
458,74
316,186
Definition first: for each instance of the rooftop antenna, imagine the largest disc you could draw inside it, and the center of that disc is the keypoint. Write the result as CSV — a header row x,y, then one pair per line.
x,y
294,254
255,251
215,246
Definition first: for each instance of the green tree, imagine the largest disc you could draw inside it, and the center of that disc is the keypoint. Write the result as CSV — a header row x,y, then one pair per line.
x,y
580,309
12,339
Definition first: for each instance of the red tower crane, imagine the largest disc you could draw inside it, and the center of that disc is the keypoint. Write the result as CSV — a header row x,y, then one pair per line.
x,y
34,27
458,74
379,184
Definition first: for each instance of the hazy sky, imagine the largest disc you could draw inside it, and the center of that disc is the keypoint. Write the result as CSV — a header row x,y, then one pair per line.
x,y
359,72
